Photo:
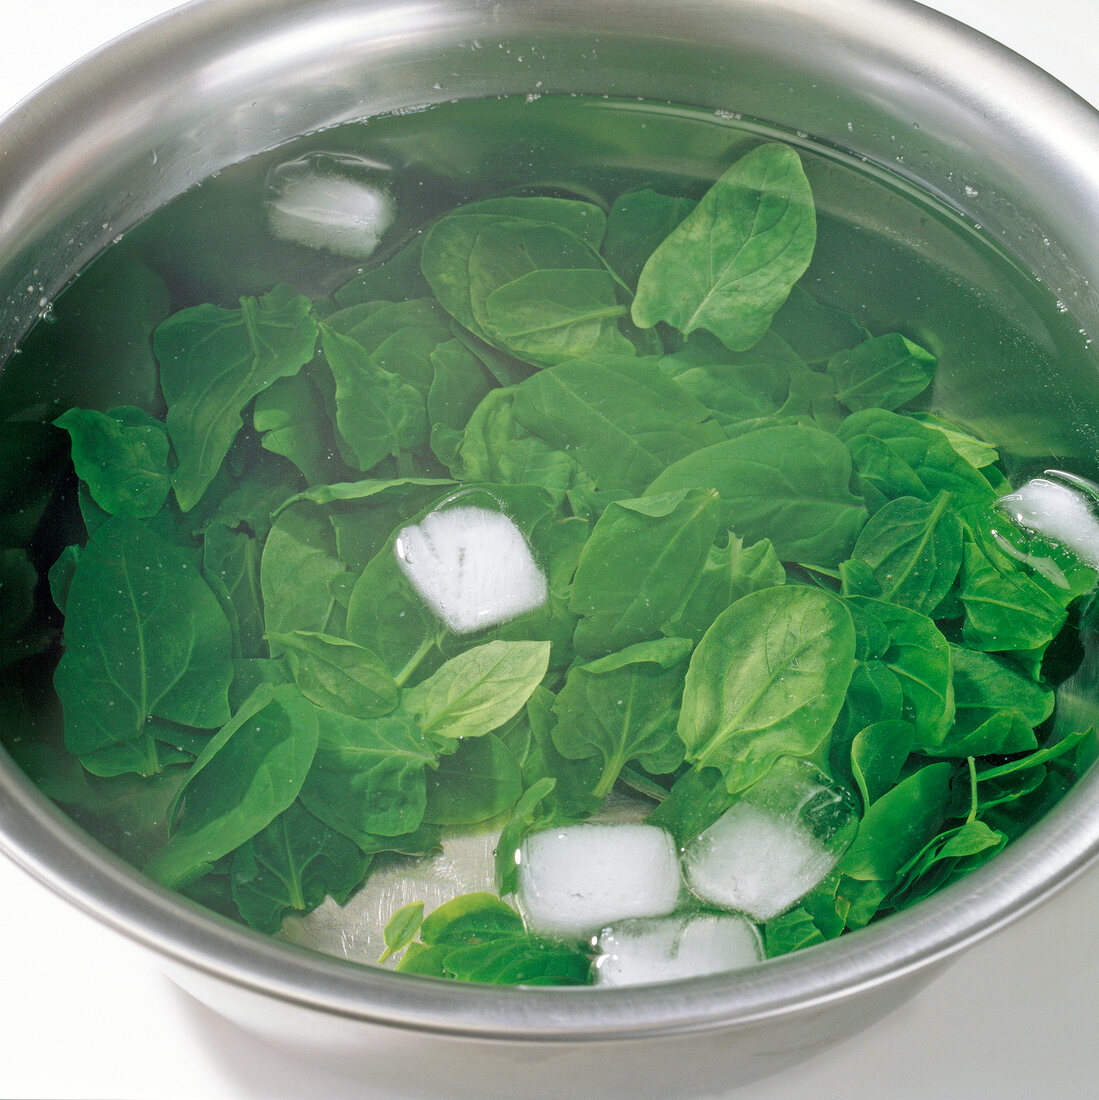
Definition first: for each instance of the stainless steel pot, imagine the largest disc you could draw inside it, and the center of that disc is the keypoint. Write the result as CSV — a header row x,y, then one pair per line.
x,y
888,80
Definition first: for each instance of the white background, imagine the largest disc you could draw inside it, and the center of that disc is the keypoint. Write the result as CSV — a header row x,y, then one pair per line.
x,y
83,1014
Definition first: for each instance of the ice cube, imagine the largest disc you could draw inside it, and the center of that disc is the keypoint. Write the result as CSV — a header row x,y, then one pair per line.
x,y
575,880
336,202
773,845
1058,513
666,949
472,566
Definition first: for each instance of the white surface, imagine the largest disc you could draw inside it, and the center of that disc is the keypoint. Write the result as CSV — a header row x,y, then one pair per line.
x,y
85,1015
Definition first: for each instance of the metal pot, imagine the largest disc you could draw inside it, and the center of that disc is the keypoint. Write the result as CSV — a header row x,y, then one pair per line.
x,y
887,80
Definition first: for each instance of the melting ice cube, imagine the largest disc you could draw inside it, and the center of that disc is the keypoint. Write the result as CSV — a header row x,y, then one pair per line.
x,y
1058,513
666,949
578,879
336,202
769,849
472,566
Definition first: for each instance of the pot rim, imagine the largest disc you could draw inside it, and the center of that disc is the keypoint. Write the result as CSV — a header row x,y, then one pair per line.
x,y
1051,854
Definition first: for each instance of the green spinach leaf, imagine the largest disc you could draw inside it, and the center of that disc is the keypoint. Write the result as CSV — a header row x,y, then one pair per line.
x,y
639,566
291,867
479,690
213,362
249,773
788,484
144,636
122,456
623,420
767,680
624,707
368,778
732,261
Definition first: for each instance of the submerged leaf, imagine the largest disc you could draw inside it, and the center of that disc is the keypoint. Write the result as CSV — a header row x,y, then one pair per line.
x,y
731,262
212,363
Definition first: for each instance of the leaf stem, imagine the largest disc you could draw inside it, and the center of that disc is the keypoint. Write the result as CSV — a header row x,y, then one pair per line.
x,y
972,765
426,647
405,466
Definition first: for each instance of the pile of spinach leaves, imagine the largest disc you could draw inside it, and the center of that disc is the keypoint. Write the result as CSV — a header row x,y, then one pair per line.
x,y
760,542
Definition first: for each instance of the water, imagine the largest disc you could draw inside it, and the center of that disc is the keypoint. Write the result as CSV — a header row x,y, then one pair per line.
x,y
1013,367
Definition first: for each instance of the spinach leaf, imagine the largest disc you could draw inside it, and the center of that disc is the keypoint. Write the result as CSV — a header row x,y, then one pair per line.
x,y
1006,609
371,492
157,747
729,572
122,456
473,259
479,690
637,223
481,780
249,773
696,800
892,639
470,919
291,866
743,390
478,938
529,812
883,372
571,782
368,777
386,616
913,550
297,570
337,674
495,447
897,825
401,928
214,361
624,707
231,566
789,484
60,578
892,832
896,456
952,852
293,421
815,331
377,412
399,337
767,680
552,315
732,261
144,635
623,420
878,753
977,452
997,707
640,564
459,385
582,219
519,960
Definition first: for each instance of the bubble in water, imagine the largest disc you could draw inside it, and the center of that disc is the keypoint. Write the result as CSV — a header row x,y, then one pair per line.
x,y
971,192
335,202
